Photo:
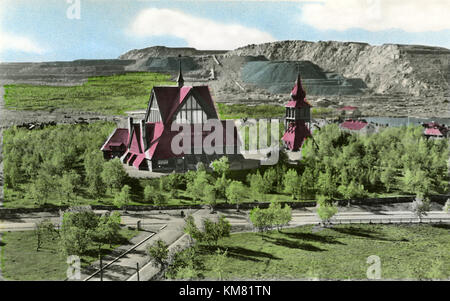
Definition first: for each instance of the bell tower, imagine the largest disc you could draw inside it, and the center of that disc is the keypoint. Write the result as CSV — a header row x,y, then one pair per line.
x,y
298,118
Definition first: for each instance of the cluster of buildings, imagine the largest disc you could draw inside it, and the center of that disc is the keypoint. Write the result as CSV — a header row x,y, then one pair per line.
x,y
149,143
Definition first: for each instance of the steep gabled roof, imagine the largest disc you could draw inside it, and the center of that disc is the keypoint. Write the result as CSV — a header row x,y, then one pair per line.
x,y
135,145
117,138
171,98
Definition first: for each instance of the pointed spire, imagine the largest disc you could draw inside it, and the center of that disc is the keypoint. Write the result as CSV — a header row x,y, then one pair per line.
x,y
298,93
180,79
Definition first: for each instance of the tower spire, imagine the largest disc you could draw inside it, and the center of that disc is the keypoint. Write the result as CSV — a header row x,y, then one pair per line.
x,y
180,79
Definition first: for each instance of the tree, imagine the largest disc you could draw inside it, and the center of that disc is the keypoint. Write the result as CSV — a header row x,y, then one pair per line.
x,y
307,184
292,183
113,174
235,193
280,216
159,253
93,166
214,231
68,184
447,206
44,230
123,198
41,187
387,178
209,195
220,186
417,181
352,190
221,166
184,265
108,228
261,219
192,230
219,262
325,210
149,193
159,199
420,206
78,229
196,187
153,195
258,186
327,184
270,180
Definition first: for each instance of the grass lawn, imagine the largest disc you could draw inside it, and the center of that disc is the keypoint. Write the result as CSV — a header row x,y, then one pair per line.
x,y
21,261
105,94
406,251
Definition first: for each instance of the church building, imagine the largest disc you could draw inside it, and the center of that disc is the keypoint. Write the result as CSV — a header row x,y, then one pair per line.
x,y
147,144
298,118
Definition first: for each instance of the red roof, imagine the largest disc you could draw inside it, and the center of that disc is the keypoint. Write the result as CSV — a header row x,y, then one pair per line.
x,y
296,134
298,96
138,160
354,125
161,142
433,132
171,98
117,138
348,108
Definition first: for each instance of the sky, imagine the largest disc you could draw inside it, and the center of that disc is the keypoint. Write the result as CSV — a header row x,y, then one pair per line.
x,y
63,30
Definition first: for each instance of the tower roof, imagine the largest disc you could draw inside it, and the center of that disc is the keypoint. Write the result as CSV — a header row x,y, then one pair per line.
x,y
298,95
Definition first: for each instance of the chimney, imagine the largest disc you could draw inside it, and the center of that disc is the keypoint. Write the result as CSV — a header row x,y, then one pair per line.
x,y
144,134
130,127
180,79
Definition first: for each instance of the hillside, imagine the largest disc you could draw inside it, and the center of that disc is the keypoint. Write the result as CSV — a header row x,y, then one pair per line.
x,y
409,69
388,80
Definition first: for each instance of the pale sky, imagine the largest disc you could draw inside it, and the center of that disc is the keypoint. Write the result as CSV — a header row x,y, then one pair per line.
x,y
46,30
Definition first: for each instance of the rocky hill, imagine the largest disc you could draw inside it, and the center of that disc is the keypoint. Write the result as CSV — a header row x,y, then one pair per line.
x,y
386,69
391,80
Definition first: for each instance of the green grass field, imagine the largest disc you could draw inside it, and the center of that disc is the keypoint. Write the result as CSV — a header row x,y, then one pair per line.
x,y
21,261
406,252
111,95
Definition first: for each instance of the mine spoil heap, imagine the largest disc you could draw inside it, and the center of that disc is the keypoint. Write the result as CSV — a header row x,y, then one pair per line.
x,y
389,79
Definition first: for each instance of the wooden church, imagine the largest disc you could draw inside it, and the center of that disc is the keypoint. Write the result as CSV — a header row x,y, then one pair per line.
x,y
297,119
147,145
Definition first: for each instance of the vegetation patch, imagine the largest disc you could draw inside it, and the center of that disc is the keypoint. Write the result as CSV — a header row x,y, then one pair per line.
x,y
63,165
110,95
20,260
341,252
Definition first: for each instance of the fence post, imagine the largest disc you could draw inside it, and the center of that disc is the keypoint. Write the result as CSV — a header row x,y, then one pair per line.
x,y
101,267
137,271
138,225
